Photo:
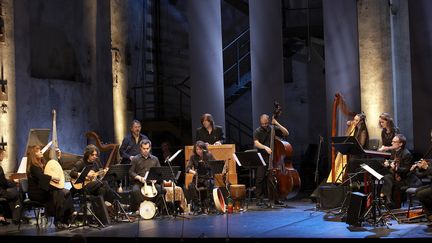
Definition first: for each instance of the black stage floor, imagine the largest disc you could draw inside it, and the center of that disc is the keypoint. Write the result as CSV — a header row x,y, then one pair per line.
x,y
299,219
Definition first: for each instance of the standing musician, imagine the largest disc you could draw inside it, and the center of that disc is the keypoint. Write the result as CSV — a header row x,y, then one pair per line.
x,y
262,140
198,166
58,202
397,169
92,185
142,163
9,191
389,130
423,169
209,132
131,143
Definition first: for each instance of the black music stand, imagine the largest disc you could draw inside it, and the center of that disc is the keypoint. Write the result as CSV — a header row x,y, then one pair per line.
x,y
84,207
216,167
165,173
250,160
376,199
346,145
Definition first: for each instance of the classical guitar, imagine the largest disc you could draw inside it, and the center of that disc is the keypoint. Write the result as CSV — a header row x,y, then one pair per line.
x,y
92,177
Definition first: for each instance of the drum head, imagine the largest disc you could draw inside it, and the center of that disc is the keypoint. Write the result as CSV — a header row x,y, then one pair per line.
x,y
219,200
147,210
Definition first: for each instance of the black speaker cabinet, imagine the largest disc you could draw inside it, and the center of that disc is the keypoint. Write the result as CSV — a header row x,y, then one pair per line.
x,y
331,196
356,208
99,208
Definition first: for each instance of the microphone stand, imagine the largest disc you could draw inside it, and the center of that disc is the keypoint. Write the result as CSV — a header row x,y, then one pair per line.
x,y
174,183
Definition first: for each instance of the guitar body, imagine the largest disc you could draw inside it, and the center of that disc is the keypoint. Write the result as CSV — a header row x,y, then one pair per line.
x,y
54,169
79,186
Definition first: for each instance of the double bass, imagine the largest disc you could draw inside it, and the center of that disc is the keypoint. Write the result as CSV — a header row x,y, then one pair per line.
x,y
283,175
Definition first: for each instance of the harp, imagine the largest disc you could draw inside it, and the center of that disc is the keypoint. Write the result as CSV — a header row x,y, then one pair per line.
x,y
112,148
340,115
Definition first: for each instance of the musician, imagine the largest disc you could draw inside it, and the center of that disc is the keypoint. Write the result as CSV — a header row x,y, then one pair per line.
x,y
262,140
209,132
92,185
8,190
142,163
198,166
389,130
423,169
58,202
397,168
130,144
359,130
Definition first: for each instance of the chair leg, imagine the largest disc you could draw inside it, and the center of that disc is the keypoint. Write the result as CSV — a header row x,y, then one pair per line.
x,y
409,205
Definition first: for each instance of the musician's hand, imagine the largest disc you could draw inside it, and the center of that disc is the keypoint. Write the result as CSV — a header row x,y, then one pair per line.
x,y
393,165
55,179
217,143
386,163
192,172
382,149
268,150
413,167
59,153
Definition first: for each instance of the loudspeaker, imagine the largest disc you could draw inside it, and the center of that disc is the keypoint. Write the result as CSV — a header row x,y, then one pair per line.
x,y
331,196
356,208
100,210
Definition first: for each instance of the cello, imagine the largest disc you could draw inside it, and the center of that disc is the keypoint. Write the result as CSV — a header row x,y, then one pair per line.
x,y
283,175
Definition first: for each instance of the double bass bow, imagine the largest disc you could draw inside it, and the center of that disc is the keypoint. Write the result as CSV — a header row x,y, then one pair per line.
x,y
284,176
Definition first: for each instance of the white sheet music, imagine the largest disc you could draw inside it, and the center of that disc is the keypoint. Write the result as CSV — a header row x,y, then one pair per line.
x,y
236,159
372,171
23,165
261,158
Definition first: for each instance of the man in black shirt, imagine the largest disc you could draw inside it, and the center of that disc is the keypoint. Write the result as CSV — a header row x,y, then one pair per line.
x,y
9,191
262,139
130,144
141,163
209,133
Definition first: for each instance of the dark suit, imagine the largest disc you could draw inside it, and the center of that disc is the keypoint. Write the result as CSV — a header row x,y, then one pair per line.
x,y
9,191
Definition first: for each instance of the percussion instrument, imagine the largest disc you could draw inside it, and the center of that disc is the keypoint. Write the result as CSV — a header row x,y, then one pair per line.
x,y
147,209
149,191
238,194
219,200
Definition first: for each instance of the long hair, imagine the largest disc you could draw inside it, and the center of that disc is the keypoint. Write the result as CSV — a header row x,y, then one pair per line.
x,y
32,159
207,117
89,149
386,117
200,144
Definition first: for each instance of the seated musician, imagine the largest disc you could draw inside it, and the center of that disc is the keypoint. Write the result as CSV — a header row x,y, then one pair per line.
x,y
209,133
197,165
92,184
423,169
58,201
389,130
142,163
8,190
397,169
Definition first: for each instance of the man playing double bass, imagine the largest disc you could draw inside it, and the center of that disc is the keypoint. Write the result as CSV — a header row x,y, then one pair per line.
x,y
262,140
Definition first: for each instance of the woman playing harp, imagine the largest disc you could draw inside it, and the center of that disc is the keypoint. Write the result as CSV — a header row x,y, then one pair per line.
x,y
355,126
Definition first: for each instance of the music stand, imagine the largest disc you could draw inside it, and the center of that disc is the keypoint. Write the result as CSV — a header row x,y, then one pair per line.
x,y
165,173
81,179
376,199
250,160
346,145
216,166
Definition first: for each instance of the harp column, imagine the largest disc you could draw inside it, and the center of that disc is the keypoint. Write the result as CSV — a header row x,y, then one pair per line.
x,y
384,83
206,63
265,19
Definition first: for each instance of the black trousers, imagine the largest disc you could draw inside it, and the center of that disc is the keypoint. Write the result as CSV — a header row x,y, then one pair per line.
x,y
424,194
14,201
137,197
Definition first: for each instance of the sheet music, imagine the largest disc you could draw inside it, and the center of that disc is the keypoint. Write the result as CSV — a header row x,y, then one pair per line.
x,y
261,158
23,166
236,159
44,149
372,171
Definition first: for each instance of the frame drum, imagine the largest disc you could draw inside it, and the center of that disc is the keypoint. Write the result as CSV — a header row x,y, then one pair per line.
x,y
147,210
219,200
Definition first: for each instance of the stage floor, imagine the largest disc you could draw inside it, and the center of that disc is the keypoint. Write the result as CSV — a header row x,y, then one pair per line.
x,y
299,219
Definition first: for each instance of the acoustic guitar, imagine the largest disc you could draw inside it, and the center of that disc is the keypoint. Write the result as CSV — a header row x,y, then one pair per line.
x,y
94,175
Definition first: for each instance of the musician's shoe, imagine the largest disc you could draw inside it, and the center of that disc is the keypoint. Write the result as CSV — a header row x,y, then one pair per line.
x,y
278,203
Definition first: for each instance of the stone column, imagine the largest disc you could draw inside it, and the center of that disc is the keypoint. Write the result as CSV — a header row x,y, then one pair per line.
x,y
206,63
265,19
